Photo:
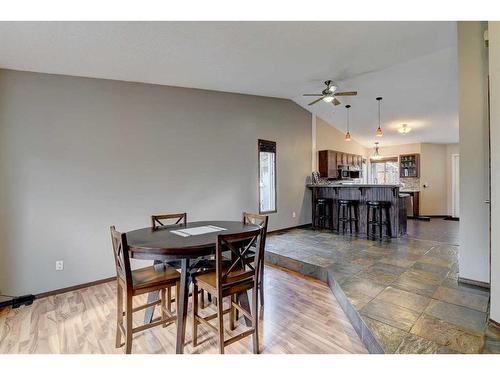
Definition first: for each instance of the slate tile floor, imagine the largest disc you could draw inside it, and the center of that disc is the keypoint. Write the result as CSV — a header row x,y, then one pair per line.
x,y
405,290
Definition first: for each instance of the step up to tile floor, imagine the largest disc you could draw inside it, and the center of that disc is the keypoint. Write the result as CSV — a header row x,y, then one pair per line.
x,y
401,296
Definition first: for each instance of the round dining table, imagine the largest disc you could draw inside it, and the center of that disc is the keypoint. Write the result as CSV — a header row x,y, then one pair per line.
x,y
164,244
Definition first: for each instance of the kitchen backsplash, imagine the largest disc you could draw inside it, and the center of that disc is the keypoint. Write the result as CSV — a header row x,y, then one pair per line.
x,y
410,183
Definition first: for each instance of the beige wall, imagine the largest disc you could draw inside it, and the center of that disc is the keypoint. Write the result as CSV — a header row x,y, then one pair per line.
x,y
435,173
330,138
411,148
474,176
78,155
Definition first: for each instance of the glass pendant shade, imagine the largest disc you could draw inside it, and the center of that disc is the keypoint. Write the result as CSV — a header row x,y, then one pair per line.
x,y
347,136
378,132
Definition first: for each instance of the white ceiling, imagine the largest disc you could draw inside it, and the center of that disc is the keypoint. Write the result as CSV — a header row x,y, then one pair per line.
x,y
413,65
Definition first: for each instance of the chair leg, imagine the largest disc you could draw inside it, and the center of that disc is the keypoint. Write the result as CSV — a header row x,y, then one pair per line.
x,y
177,296
195,314
350,208
261,284
119,314
368,221
169,300
356,217
381,227
344,216
220,318
202,299
388,219
231,313
165,297
128,327
255,320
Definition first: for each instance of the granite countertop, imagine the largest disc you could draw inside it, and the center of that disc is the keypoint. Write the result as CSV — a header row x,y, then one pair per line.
x,y
353,185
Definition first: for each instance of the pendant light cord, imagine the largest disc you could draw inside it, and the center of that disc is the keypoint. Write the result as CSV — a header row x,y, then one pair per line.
x,y
347,119
347,114
379,113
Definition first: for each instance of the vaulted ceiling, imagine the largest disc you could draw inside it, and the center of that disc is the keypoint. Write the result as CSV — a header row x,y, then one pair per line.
x,y
412,65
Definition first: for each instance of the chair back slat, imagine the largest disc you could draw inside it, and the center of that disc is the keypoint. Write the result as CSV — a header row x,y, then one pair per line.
x,y
122,260
260,220
163,220
241,269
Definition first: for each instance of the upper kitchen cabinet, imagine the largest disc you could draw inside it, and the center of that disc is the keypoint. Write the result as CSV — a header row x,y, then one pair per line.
x,y
327,163
409,165
331,163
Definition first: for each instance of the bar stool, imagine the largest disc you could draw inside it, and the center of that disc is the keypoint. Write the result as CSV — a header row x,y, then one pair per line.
x,y
378,209
348,212
322,213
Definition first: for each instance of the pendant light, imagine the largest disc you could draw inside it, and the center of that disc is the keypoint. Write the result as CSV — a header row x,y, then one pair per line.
x,y
378,132
347,133
376,154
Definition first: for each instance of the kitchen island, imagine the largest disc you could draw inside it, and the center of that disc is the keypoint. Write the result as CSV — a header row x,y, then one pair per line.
x,y
363,193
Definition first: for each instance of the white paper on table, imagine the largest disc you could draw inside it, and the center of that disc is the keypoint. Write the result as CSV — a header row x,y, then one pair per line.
x,y
197,230
179,233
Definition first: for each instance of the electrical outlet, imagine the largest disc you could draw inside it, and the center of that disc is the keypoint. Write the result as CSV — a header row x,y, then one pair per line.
x,y
59,265
294,214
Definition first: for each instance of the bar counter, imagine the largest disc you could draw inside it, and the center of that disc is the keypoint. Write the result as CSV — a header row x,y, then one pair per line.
x,y
363,193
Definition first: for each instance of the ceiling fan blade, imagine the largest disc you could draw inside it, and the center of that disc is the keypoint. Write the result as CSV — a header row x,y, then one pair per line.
x,y
317,100
336,101
346,93
312,94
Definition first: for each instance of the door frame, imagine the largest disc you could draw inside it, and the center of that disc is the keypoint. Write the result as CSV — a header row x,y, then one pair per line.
x,y
454,183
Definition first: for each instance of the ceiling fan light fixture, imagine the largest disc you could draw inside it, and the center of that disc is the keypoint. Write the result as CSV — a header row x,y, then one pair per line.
x,y
328,99
404,129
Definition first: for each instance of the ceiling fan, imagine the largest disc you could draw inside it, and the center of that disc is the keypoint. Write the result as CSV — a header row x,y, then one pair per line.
x,y
330,93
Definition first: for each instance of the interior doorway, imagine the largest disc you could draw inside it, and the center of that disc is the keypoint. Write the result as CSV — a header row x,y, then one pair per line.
x,y
455,185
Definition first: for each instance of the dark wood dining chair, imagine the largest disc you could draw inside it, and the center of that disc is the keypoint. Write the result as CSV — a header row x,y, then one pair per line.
x,y
227,280
262,221
137,282
158,221
164,220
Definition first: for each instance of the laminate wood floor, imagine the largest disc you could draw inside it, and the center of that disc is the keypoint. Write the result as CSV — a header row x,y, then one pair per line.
x,y
300,316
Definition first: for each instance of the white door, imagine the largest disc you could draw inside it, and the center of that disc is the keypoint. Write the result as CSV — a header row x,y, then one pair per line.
x,y
455,185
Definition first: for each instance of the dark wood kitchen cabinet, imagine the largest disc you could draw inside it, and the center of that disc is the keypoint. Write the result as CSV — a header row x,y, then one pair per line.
x,y
330,161
327,164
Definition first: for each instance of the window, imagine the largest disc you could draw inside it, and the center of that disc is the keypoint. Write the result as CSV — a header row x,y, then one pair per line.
x,y
385,171
267,176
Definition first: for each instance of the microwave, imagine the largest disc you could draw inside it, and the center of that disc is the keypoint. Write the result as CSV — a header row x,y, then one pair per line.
x,y
347,174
